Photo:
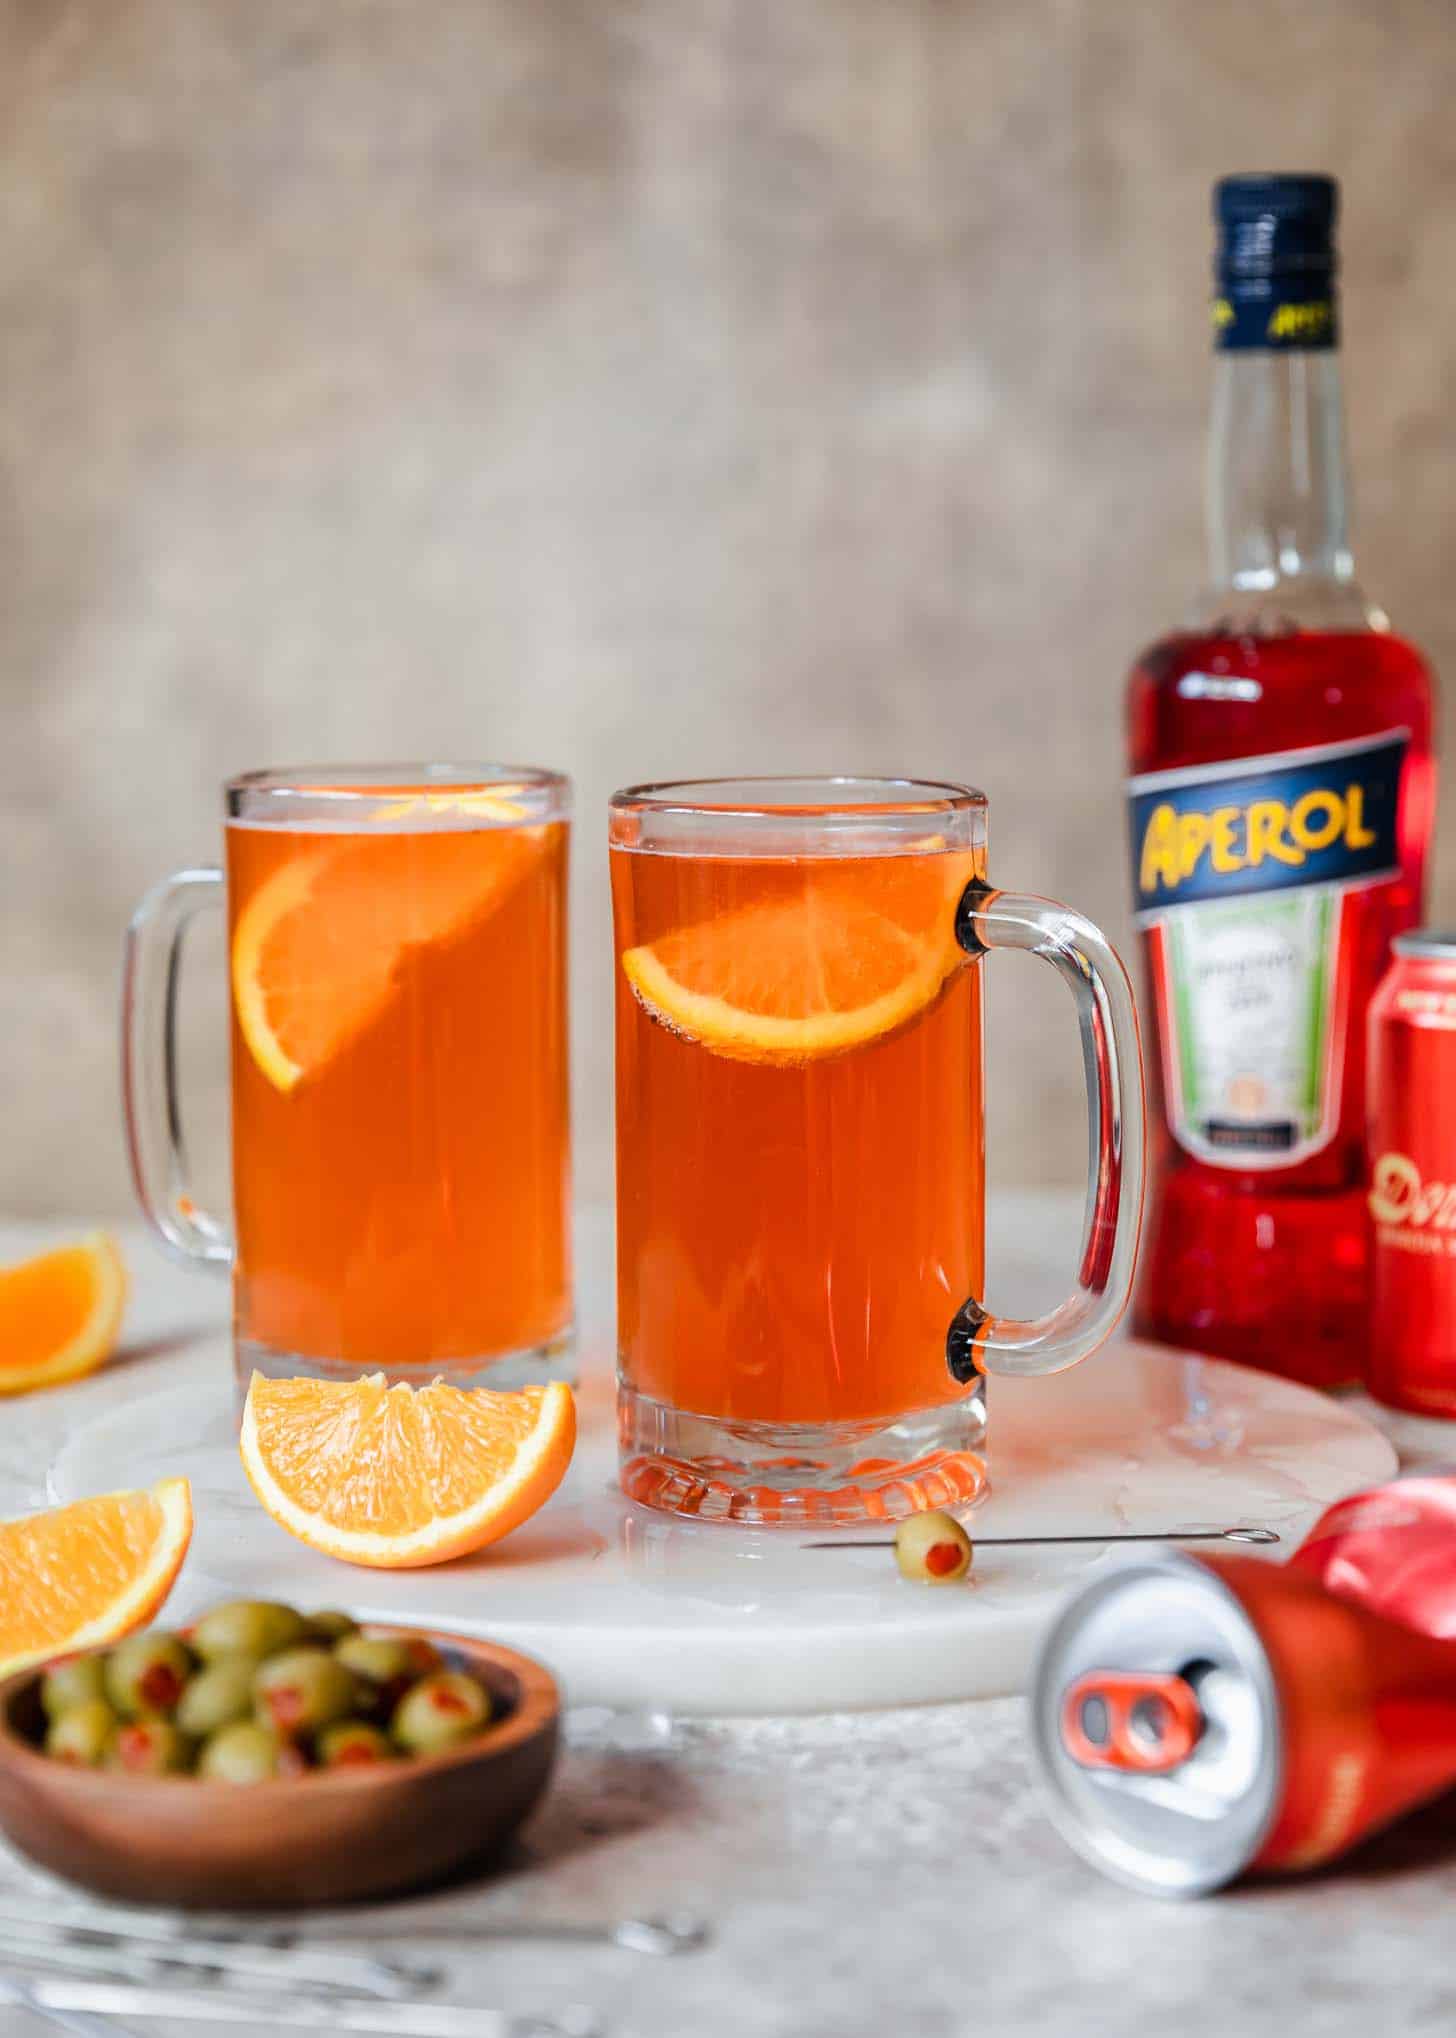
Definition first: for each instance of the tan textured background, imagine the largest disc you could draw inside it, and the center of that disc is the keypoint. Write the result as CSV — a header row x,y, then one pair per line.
x,y
645,389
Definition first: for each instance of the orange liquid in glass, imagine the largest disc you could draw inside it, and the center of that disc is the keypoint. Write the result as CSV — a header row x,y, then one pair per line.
x,y
794,1240
403,1200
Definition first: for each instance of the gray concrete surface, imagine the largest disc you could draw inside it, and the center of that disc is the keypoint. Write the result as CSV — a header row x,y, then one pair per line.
x,y
866,1875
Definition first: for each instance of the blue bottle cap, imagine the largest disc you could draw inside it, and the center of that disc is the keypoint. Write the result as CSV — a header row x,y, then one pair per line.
x,y
1274,269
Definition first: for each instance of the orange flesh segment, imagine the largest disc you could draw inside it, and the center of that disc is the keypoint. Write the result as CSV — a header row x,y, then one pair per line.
x,y
88,1573
400,1476
60,1313
838,958
317,949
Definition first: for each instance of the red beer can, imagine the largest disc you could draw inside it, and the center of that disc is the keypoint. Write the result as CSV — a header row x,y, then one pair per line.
x,y
1199,1718
1412,1188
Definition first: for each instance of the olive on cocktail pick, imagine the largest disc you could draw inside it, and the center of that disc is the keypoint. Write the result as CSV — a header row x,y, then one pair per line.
x,y
932,1548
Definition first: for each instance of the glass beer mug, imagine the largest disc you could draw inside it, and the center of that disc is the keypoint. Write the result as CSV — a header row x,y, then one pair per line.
x,y
400,1146
800,1145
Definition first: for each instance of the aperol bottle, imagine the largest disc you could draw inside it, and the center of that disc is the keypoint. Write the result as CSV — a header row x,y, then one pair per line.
x,y
1280,806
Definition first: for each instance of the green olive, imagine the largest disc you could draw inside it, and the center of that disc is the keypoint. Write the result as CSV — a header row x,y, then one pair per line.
x,y
353,1744
247,1627
329,1626
241,1753
150,1748
71,1682
301,1690
380,1669
82,1734
932,1548
386,1666
440,1711
216,1696
145,1674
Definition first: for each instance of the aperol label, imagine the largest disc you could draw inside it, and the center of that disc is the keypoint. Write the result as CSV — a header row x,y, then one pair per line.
x,y
1239,872
1321,816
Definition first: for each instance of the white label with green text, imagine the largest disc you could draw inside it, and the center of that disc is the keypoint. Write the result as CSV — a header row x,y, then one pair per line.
x,y
1245,1012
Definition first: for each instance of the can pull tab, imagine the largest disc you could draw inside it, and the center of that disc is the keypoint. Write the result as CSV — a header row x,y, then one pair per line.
x,y
1143,1721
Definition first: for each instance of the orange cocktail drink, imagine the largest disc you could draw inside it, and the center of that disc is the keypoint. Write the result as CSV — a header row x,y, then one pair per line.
x,y
400,1136
799,1143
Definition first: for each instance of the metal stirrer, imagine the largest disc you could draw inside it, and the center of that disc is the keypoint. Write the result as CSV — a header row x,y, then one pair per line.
x,y
64,2016
79,2005
96,1943
662,1937
1223,1535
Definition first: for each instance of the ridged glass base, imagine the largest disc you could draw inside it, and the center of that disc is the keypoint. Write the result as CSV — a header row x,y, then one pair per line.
x,y
769,1475
532,1366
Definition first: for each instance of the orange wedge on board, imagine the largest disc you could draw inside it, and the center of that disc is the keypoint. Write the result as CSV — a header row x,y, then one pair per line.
x,y
60,1313
317,948
79,1576
399,1477
839,958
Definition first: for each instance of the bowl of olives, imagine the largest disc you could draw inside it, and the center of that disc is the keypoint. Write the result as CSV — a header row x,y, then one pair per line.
x,y
264,1756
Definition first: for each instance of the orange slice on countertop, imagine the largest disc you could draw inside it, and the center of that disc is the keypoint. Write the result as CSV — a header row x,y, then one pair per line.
x,y
82,1575
317,948
60,1313
839,958
399,1477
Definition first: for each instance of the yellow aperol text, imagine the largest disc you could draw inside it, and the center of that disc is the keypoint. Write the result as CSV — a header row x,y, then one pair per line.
x,y
1244,837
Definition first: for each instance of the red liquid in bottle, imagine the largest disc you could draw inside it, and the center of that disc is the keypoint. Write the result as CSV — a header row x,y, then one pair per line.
x,y
1263,1262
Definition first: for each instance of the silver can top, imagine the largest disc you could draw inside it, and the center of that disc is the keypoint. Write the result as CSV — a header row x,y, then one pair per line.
x,y
1436,942
1177,1828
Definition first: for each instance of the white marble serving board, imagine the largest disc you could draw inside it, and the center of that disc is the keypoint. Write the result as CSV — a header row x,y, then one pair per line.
x,y
632,1609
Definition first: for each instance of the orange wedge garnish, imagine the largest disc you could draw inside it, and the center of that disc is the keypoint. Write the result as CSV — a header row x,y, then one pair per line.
x,y
398,1477
834,958
60,1313
317,948
78,1576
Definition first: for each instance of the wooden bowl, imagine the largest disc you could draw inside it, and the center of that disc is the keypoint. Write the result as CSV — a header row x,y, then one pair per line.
x,y
331,1837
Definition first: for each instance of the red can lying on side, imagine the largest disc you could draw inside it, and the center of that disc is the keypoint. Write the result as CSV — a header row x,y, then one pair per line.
x,y
1200,1718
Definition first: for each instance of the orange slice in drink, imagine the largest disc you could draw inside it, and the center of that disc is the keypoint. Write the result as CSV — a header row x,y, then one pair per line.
x,y
398,1477
60,1313
317,948
491,806
834,958
78,1576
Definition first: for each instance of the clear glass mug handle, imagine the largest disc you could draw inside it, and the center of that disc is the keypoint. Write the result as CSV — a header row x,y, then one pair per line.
x,y
151,974
979,1342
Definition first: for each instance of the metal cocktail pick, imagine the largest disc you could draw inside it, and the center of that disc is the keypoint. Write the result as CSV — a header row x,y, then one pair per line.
x,y
1222,1535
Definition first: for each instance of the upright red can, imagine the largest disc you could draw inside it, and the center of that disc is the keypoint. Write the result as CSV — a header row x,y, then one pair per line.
x,y
1412,1188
